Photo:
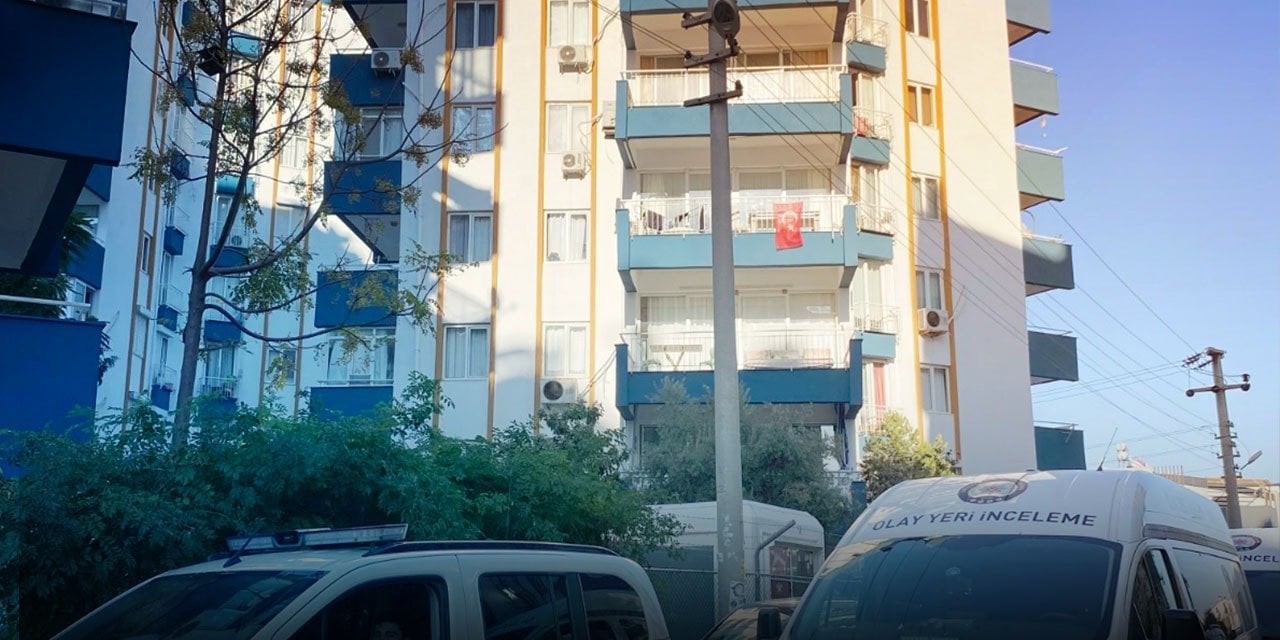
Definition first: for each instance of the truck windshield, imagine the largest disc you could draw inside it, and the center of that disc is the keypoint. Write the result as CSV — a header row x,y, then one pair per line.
x,y
1265,588
963,588
229,604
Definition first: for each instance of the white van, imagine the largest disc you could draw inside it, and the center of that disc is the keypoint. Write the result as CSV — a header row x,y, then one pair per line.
x,y
1056,555
1259,551
353,584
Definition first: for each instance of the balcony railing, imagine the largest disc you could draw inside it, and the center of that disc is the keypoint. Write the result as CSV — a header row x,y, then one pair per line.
x,y
872,124
875,218
880,318
759,84
218,387
821,346
173,297
751,213
866,30
166,377
111,8
871,418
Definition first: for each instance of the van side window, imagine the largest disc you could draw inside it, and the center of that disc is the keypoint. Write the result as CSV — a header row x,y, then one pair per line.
x,y
1152,595
407,609
614,609
1216,588
525,606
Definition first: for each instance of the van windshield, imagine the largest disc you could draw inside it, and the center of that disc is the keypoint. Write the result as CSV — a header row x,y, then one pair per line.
x,y
1265,588
963,588
228,604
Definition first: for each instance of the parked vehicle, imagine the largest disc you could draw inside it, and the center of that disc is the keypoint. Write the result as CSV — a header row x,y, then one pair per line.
x,y
742,623
1058,555
351,584
1260,555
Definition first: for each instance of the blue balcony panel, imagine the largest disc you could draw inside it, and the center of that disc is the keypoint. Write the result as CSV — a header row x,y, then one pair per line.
x,y
87,266
840,386
355,298
875,246
167,317
52,373
162,396
231,257
1035,91
1053,357
881,346
869,151
366,196
1027,18
865,56
1047,264
1039,177
228,184
349,401
1059,448
381,22
646,22
364,87
174,240
221,332
99,182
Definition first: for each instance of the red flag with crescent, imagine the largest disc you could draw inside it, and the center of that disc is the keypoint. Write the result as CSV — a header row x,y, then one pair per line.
x,y
786,225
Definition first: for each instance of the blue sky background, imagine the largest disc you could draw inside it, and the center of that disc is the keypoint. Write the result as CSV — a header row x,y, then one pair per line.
x,y
1171,119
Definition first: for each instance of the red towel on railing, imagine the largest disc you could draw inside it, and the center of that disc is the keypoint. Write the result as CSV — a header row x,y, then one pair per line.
x,y
786,225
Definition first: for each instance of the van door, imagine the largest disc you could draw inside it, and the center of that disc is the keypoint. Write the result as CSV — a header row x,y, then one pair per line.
x,y
1217,591
1153,592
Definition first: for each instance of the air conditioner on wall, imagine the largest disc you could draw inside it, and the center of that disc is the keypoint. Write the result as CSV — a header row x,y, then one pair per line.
x,y
559,391
932,321
385,60
574,57
574,165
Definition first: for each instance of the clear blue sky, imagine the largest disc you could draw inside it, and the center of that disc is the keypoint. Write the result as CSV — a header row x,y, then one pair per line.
x,y
1169,113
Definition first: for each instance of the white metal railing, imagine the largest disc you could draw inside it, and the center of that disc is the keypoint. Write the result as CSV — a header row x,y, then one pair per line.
x,y
1031,65
880,318
218,387
866,30
1048,152
173,297
869,123
112,8
356,381
871,417
875,218
842,479
660,348
166,377
759,84
751,213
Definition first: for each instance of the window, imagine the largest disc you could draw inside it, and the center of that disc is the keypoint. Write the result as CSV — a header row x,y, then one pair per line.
x,y
918,17
611,602
564,350
920,104
92,214
933,389
78,291
148,260
925,200
566,127
520,606
381,132
166,273
473,127
471,236
474,24
928,289
239,229
293,153
366,358
1153,593
1217,591
570,22
399,608
289,220
466,351
566,237
283,365
790,569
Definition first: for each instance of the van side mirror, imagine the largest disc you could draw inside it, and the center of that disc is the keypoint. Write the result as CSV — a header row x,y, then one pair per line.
x,y
768,624
1182,624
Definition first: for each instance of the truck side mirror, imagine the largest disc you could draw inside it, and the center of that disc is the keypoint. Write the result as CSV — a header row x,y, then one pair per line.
x,y
1182,624
768,624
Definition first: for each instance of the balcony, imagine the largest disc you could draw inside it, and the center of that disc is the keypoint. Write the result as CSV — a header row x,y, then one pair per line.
x,y
819,365
1053,356
52,371
173,303
662,241
355,298
218,395
1035,91
1047,264
812,106
365,195
382,22
350,400
871,418
866,41
655,24
878,326
162,387
1026,18
87,266
1039,176
174,240
1059,446
365,88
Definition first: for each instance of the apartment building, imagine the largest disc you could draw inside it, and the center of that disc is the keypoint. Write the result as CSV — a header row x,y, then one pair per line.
x,y
583,210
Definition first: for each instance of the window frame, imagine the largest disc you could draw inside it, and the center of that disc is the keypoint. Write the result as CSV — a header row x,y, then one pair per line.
x,y
468,329
922,104
473,140
917,18
475,42
380,356
576,141
471,251
929,391
439,621
566,239
382,118
925,280
147,264
566,369
923,206
569,6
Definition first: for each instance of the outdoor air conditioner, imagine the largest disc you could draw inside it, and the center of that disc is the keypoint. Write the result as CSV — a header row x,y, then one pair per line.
x,y
608,117
932,321
574,165
385,60
559,391
574,57
237,240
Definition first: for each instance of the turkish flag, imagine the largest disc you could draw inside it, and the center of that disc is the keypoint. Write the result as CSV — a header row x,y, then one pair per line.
x,y
786,225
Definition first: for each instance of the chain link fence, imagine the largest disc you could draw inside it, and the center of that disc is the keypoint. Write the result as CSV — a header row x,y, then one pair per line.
x,y
688,596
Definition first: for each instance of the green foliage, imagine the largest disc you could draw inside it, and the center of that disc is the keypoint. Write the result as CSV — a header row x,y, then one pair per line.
x,y
782,463
75,239
93,517
895,452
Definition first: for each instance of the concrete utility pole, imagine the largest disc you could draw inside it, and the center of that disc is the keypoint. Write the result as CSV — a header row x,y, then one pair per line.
x,y
722,16
1225,439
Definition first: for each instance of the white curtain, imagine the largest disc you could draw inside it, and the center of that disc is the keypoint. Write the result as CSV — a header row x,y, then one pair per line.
x,y
479,351
459,236
577,237
553,352
481,238
555,237
455,352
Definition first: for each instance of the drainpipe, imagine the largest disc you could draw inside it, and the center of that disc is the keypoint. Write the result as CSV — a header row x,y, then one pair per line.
x,y
760,549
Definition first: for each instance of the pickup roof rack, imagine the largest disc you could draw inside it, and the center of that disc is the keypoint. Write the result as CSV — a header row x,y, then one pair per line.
x,y
488,545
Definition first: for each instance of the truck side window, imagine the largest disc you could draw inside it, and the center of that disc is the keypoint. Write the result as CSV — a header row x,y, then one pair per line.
x,y
1152,595
612,604
1215,586
525,606
400,609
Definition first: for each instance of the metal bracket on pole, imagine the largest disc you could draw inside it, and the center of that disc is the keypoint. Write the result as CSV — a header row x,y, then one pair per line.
x,y
731,51
691,20
736,92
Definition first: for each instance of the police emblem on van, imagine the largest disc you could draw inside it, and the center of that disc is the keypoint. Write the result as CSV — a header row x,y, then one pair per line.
x,y
1246,542
990,491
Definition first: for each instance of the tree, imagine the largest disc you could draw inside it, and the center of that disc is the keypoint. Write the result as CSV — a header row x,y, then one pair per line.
x,y
895,452
253,75
782,462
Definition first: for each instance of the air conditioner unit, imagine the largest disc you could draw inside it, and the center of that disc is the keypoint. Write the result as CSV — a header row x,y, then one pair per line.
x,y
933,321
385,60
574,57
608,117
574,165
559,391
236,240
